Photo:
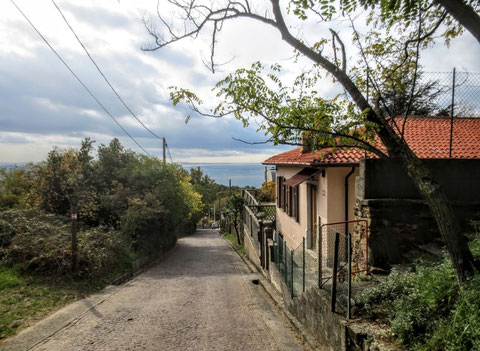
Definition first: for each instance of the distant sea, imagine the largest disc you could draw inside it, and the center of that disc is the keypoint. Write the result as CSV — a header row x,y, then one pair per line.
x,y
241,174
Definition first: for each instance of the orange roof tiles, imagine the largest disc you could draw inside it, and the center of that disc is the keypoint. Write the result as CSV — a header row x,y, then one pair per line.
x,y
428,137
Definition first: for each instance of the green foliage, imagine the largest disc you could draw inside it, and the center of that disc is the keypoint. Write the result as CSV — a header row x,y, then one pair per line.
x,y
235,204
27,298
233,239
41,243
267,192
9,279
124,201
426,309
287,113
18,187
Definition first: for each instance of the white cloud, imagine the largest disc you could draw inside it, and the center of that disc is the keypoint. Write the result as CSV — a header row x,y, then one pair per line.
x,y
43,105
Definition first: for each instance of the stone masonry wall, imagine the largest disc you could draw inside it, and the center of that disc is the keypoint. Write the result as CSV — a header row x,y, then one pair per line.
x,y
398,219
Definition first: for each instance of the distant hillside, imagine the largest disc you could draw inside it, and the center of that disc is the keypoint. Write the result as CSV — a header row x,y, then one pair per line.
x,y
10,165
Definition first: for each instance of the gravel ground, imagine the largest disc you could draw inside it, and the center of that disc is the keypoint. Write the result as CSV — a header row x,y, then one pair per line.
x,y
199,298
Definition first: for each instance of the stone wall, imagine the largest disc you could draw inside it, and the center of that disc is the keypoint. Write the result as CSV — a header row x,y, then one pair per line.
x,y
399,220
252,250
312,309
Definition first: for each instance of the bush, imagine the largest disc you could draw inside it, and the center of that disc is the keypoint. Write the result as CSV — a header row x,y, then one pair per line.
x,y
426,308
41,243
267,192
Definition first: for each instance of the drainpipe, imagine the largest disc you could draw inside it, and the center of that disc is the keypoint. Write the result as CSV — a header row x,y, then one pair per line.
x,y
346,194
346,208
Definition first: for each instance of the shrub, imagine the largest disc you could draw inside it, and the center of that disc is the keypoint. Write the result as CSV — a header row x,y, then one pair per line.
x,y
42,243
267,192
426,308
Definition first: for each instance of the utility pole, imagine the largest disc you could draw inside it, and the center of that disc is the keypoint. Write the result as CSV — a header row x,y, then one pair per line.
x,y
164,150
214,219
229,187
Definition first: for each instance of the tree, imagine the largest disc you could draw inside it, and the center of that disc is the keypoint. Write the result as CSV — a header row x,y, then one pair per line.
x,y
465,12
235,206
288,112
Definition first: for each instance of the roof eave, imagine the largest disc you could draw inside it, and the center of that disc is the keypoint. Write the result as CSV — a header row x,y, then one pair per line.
x,y
313,164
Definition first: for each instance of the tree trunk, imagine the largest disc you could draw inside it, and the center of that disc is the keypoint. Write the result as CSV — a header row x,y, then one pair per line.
x,y
464,14
449,228
236,230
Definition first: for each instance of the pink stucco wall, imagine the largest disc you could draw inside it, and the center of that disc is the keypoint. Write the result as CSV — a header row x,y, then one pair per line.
x,y
330,202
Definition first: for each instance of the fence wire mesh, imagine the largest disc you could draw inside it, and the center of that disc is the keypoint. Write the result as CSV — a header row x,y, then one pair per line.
x,y
329,233
434,94
302,268
458,89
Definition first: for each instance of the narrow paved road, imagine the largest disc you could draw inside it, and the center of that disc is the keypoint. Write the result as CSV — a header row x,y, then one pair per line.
x,y
199,298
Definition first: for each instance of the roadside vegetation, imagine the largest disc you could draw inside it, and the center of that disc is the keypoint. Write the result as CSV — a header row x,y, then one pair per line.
x,y
129,206
425,308
233,239
212,194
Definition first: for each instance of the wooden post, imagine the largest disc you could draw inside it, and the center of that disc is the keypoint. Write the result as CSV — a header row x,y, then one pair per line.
x,y
164,150
73,210
334,273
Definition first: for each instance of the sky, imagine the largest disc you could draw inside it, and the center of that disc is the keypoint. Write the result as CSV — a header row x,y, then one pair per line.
x,y
42,105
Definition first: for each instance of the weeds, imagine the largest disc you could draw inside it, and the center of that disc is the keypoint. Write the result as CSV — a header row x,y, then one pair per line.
x,y
233,239
426,308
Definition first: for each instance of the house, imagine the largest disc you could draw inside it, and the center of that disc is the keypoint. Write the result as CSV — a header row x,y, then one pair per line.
x,y
332,186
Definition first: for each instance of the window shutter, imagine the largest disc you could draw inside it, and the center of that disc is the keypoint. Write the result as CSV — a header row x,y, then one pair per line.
x,y
279,191
297,204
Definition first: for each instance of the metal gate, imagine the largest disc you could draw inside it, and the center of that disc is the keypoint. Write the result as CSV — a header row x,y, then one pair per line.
x,y
333,245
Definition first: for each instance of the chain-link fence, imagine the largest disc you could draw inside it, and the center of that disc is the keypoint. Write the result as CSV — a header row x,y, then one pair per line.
x,y
334,238
435,94
342,251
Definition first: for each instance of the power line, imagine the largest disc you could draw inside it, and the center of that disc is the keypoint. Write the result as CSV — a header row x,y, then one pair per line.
x,y
169,154
101,73
78,79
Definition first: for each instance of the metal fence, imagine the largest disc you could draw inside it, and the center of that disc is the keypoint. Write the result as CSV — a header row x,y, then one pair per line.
x,y
342,251
455,93
435,94
333,237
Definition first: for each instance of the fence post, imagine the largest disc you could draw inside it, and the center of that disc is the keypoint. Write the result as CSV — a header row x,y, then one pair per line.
x,y
451,114
303,253
319,248
349,289
74,240
276,247
291,271
334,273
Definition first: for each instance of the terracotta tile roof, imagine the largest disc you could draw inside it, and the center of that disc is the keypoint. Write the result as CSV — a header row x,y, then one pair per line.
x,y
428,138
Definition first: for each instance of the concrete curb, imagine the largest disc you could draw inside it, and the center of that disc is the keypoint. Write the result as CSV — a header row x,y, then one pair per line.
x,y
307,339
49,326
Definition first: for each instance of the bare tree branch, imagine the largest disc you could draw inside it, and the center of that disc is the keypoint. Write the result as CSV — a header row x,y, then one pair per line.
x,y
342,48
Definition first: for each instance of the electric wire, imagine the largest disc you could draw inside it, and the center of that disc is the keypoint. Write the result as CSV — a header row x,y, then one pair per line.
x,y
169,154
102,74
78,79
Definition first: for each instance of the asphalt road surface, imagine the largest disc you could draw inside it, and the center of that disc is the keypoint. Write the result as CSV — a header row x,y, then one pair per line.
x,y
200,297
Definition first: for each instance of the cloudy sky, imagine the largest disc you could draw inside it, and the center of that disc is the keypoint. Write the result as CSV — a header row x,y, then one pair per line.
x,y
42,105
